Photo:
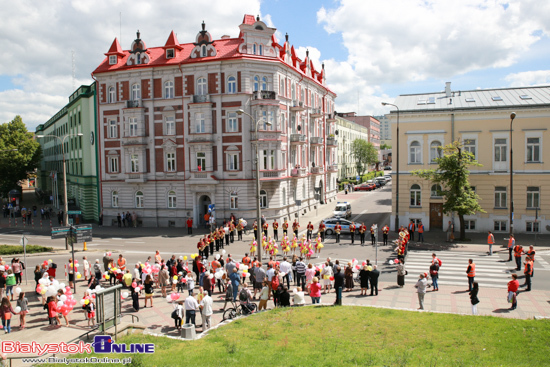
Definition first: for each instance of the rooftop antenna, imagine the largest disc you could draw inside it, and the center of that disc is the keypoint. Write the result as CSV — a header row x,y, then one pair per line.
x,y
74,70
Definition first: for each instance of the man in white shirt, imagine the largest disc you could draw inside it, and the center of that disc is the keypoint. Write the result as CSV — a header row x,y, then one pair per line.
x,y
285,267
298,297
86,267
191,305
136,271
207,311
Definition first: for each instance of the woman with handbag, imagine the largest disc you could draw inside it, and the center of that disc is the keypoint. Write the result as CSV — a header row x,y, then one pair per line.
x,y
401,272
473,298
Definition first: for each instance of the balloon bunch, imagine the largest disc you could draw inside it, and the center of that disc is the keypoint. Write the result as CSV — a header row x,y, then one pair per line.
x,y
49,288
243,271
136,287
354,267
173,297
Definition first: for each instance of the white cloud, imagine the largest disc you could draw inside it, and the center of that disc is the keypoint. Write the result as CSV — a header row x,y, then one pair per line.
x,y
527,78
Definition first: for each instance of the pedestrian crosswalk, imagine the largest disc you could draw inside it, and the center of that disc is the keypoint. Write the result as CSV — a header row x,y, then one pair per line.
x,y
491,271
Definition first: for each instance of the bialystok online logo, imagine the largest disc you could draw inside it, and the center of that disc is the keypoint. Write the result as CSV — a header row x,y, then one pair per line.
x,y
102,344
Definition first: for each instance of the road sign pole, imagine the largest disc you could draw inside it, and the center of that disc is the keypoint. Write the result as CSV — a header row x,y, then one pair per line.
x,y
24,244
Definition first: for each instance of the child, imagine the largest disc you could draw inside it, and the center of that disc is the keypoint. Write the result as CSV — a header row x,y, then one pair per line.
x,y
181,282
190,283
6,312
59,294
10,283
90,310
22,303
52,311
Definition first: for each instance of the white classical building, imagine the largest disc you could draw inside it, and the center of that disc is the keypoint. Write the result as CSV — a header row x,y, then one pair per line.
x,y
172,143
348,131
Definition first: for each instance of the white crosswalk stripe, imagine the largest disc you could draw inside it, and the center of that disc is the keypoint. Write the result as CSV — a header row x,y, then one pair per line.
x,y
490,270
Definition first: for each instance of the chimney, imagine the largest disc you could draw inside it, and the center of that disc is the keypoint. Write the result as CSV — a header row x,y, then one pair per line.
x,y
448,89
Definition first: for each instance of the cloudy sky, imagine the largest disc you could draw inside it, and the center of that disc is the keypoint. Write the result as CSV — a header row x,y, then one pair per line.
x,y
373,50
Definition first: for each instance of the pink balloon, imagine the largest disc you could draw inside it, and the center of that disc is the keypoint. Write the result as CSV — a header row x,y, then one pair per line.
x,y
65,313
134,284
364,263
396,261
93,295
357,267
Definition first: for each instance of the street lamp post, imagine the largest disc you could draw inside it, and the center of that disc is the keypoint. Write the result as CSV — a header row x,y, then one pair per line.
x,y
512,117
396,169
258,207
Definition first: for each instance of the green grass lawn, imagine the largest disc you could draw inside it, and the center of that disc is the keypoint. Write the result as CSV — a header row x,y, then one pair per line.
x,y
356,336
16,249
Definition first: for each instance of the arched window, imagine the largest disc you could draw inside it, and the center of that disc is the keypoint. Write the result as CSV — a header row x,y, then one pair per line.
x,y
435,151
293,91
284,195
112,95
136,92
415,153
264,83
435,192
201,87
231,85
169,89
171,199
234,200
283,122
263,199
203,51
302,95
415,195
261,50
256,83
139,199
114,199
254,49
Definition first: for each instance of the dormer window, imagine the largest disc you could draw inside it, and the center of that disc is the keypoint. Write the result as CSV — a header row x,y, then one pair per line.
x,y
112,60
203,51
170,53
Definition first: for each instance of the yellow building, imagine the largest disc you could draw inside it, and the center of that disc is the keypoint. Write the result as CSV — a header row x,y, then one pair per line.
x,y
480,119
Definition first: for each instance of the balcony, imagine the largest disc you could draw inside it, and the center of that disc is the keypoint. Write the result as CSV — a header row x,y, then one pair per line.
x,y
134,104
316,140
271,174
298,172
200,175
266,135
317,170
132,177
316,112
264,94
134,140
298,138
200,138
331,142
297,106
201,98
332,168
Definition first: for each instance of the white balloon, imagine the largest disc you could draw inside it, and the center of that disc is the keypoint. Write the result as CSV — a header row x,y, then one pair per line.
x,y
17,290
61,286
217,256
211,276
218,275
63,298
174,281
42,281
59,303
17,309
89,291
2,268
124,294
168,299
223,252
55,283
181,257
82,302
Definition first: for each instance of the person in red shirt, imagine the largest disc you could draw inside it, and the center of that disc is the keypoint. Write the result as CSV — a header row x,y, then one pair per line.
x,y
275,230
362,230
295,227
285,228
385,231
352,229
190,226
309,230
265,227
337,229
322,228
513,287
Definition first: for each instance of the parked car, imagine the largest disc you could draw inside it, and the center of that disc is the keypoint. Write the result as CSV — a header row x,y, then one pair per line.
x,y
387,168
330,223
343,209
376,183
387,177
365,187
382,180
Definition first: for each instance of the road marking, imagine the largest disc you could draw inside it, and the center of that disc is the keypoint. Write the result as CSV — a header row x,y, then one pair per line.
x,y
135,242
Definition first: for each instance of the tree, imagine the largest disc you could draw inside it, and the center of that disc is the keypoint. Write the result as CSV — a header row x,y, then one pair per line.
x,y
365,154
452,175
19,154
385,146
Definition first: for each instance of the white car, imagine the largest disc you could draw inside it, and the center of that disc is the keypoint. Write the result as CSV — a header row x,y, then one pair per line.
x,y
387,177
342,210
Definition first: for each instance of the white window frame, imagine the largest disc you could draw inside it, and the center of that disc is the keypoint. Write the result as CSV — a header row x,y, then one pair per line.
x,y
200,122
170,53
265,83
263,199
134,163
433,191
533,197
436,151
113,129
113,59
170,158
201,160
136,92
256,83
113,164
468,224
470,145
532,148
501,197
417,153
169,89
172,200
114,199
169,125
231,85
232,122
132,126
112,95
500,148
138,199
202,86
415,201
233,200
232,161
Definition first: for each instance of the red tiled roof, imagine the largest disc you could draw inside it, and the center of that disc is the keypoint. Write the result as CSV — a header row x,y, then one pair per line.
x,y
249,19
115,49
172,41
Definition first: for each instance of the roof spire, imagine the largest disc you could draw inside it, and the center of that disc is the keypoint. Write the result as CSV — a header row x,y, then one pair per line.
x,y
307,53
138,34
286,37
203,25
258,18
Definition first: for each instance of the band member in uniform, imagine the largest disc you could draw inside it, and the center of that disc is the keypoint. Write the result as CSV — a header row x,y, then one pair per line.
x,y
362,230
240,230
265,227
337,229
309,230
231,231
255,230
285,228
385,231
295,227
322,229
352,229
275,230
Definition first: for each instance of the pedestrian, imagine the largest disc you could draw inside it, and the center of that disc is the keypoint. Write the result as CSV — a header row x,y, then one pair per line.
x,y
364,276
23,305
298,297
207,283
315,291
401,272
373,278
10,283
473,298
513,287
338,285
450,232
326,274
51,306
411,229
264,296
60,294
135,298
531,255
86,265
511,245
301,273
420,230
228,293
471,273
421,286
37,276
17,268
206,306
348,273
284,297
309,232
490,242
337,230
518,251
191,307
310,274
97,270
259,277
119,220
148,285
177,314
90,313
434,274
528,271
235,281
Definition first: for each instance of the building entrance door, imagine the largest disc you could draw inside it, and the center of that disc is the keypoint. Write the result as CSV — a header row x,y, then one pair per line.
x,y
436,216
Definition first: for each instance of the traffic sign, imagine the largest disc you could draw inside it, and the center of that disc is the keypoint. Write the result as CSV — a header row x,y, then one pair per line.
x,y
82,233
74,212
60,232
358,178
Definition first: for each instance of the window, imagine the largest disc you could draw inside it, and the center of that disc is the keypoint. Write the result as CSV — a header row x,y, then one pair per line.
x,y
263,199
169,125
233,200
261,50
501,147
269,159
496,98
436,191
500,225
414,153
302,94
132,126
199,122
470,99
231,85
136,92
112,60
533,149
415,195
469,225
293,91
500,197
470,146
113,164
532,227
201,161
256,83
284,195
139,199
283,123
264,82
112,129
112,95
114,199
134,163
265,119
233,161
533,197
170,162
435,151
232,123
171,199
201,87
254,49
170,53
169,89
203,51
